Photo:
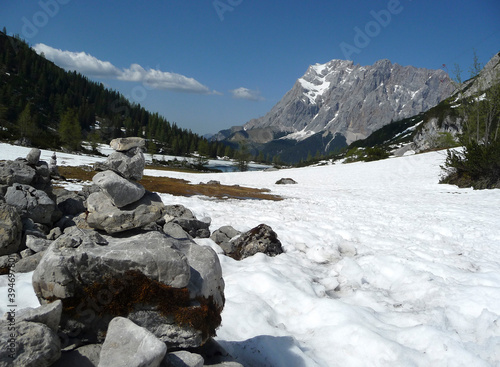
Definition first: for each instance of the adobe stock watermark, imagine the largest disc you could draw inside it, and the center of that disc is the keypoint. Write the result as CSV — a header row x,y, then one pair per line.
x,y
363,36
223,6
48,9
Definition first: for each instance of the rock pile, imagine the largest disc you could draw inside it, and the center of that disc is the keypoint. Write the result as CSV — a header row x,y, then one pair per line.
x,y
122,203
114,268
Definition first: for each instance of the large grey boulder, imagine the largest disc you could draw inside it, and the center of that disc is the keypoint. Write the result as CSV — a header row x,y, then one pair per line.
x,y
259,239
129,164
128,344
124,144
10,230
146,277
35,345
80,258
206,273
105,216
31,203
48,314
120,190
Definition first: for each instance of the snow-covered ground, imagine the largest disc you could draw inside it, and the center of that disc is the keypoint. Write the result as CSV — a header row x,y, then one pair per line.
x,y
383,266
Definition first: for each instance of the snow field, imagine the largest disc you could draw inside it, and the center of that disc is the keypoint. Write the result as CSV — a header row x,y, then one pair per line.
x,y
382,267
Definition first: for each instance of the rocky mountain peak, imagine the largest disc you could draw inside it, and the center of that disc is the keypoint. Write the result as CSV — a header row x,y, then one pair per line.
x,y
352,100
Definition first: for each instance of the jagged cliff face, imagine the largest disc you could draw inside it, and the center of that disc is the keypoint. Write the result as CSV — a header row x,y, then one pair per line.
x,y
450,122
353,100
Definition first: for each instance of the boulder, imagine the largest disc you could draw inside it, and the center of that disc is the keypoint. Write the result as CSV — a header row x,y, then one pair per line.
x,y
35,345
286,181
145,277
33,156
105,216
128,344
124,144
182,358
184,217
17,171
224,234
31,203
49,314
176,231
69,202
37,244
10,230
28,264
206,273
129,164
259,239
85,356
120,190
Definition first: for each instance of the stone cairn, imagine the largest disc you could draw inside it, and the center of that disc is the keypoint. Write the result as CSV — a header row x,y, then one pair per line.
x,y
119,277
115,270
121,202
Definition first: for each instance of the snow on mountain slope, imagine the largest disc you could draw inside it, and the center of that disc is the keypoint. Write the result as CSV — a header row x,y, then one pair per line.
x,y
382,267
353,100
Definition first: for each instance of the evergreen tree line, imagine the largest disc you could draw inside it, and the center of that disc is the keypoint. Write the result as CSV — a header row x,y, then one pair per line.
x,y
477,164
51,108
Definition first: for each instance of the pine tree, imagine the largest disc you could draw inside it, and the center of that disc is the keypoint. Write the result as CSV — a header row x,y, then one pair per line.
x,y
70,132
26,124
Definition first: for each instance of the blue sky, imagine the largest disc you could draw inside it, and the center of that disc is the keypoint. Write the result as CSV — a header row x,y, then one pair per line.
x,y
211,64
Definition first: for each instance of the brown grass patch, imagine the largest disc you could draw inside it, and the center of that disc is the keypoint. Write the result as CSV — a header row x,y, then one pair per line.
x,y
179,187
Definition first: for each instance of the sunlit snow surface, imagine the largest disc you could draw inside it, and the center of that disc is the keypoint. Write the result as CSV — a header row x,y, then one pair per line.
x,y
382,267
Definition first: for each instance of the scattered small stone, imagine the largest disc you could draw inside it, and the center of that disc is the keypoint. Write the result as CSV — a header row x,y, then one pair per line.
x,y
286,181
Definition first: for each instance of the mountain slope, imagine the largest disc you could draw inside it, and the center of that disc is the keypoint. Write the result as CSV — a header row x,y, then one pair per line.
x,y
29,82
353,100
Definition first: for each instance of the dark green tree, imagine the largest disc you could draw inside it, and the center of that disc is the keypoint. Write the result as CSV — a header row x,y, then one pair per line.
x,y
70,131
478,163
26,124
242,157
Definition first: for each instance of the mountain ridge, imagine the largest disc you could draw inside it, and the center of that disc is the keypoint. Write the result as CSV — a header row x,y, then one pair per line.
x,y
353,100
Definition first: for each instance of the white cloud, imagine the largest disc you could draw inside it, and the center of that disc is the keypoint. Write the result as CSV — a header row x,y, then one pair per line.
x,y
158,79
90,66
79,61
245,93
